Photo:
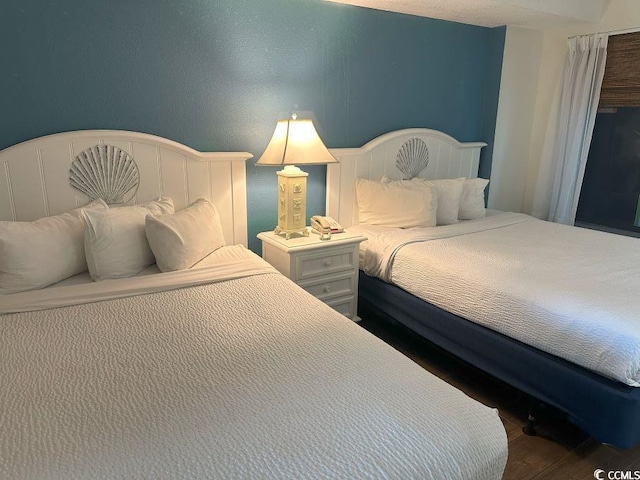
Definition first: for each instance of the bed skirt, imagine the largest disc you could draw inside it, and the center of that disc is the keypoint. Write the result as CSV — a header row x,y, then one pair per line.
x,y
606,409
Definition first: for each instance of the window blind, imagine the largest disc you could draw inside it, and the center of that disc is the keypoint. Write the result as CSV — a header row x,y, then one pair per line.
x,y
621,83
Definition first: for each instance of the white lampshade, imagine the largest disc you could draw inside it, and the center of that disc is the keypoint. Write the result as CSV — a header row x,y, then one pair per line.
x,y
295,142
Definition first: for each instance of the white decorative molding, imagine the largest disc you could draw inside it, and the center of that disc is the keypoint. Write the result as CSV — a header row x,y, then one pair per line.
x,y
165,168
412,158
106,172
45,199
8,197
448,158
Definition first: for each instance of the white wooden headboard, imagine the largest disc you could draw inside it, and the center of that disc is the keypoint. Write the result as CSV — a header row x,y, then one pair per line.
x,y
34,176
448,158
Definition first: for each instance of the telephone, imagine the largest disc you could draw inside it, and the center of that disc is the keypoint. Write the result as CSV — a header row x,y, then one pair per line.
x,y
324,225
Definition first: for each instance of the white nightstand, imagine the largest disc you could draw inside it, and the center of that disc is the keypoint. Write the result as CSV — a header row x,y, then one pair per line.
x,y
328,269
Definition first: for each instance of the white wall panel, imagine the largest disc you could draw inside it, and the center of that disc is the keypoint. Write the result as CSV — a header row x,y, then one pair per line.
x,y
26,182
150,186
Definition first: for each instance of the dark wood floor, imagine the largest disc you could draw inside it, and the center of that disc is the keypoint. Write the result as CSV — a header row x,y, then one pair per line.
x,y
560,451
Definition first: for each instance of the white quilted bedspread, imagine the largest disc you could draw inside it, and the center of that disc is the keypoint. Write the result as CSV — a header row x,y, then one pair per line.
x,y
244,378
568,291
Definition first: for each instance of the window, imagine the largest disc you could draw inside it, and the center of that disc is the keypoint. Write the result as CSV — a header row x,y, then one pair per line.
x,y
610,193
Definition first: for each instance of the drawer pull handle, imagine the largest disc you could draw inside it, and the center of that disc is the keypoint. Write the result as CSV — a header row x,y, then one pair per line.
x,y
327,263
327,289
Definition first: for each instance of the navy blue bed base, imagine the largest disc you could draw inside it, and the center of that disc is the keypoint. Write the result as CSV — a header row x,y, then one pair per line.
x,y
607,410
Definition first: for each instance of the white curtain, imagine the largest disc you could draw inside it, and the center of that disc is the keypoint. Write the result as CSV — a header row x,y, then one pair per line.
x,y
583,73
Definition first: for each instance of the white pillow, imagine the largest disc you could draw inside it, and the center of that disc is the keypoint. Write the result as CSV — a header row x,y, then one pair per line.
x,y
182,239
39,253
449,195
395,204
115,242
472,201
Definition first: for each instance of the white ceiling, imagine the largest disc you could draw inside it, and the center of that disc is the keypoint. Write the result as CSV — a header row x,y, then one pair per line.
x,y
494,13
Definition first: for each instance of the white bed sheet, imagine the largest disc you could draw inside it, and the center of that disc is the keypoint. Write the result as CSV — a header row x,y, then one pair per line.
x,y
221,254
225,263
567,291
249,377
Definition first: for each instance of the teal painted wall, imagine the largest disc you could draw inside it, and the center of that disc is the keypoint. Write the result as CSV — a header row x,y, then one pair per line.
x,y
215,75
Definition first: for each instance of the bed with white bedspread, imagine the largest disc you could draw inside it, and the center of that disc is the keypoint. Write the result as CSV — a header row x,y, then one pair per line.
x,y
548,308
228,379
215,371
531,280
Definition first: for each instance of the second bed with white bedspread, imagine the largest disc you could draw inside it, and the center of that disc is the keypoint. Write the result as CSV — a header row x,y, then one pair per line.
x,y
567,291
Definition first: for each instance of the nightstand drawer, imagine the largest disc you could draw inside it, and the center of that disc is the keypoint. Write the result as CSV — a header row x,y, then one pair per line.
x,y
313,264
330,287
346,306
328,270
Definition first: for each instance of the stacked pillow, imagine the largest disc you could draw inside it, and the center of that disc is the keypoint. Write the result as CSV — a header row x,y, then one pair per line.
x,y
449,192
181,240
109,242
419,202
472,200
115,242
39,253
123,241
396,204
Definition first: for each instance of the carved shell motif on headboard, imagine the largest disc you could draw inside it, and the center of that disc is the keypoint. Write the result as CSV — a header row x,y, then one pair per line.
x,y
105,172
412,158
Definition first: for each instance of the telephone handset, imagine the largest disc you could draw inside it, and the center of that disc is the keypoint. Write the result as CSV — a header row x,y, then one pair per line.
x,y
324,225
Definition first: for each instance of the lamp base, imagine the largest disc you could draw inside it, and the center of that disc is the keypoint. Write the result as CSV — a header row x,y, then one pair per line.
x,y
287,232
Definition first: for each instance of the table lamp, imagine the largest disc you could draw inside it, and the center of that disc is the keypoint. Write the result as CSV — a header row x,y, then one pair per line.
x,y
294,141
